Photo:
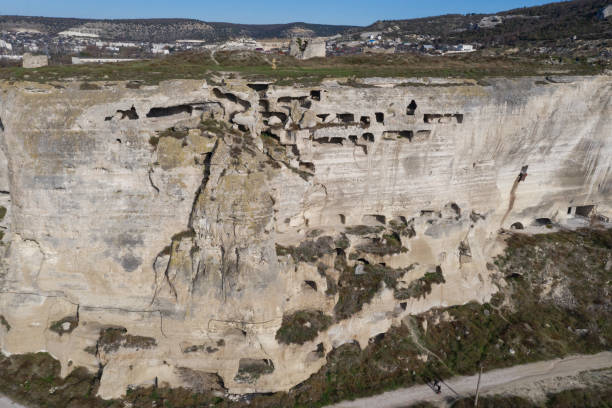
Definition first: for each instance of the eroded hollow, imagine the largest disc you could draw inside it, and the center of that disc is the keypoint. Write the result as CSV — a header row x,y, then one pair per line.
x,y
130,114
160,112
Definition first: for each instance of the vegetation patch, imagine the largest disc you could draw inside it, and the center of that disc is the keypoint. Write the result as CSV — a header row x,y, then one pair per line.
x,y
113,338
302,326
2,212
249,370
65,325
308,251
422,286
358,289
173,132
388,244
5,323
88,86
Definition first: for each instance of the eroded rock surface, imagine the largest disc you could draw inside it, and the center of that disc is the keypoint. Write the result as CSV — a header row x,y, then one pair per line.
x,y
164,234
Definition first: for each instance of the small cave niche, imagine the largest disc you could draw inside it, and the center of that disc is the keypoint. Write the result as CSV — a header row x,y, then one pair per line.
x,y
368,137
342,219
311,284
456,208
281,115
404,305
315,95
363,261
411,108
405,134
307,166
345,117
543,221
523,174
330,140
232,98
1,125
380,117
323,116
517,226
118,141
374,219
259,87
161,112
442,118
303,100
584,210
130,114
365,121
264,104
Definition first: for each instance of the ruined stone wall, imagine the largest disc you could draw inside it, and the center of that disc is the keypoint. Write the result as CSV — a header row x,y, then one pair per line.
x,y
149,231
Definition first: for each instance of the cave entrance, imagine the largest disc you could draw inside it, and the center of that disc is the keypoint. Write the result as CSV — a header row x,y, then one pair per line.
x,y
380,117
581,210
411,108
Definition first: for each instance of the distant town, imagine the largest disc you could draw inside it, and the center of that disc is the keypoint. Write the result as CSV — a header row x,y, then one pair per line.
x,y
82,47
556,31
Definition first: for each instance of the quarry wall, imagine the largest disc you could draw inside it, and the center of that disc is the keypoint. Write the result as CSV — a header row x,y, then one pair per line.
x,y
161,234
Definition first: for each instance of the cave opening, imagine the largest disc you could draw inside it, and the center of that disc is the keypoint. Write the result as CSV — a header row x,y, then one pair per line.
x,y
160,112
346,117
380,117
411,108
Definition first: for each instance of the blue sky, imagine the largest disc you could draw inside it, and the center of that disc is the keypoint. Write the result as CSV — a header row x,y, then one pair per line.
x,y
353,12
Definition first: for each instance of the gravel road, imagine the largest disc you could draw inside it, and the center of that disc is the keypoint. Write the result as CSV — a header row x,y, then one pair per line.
x,y
496,380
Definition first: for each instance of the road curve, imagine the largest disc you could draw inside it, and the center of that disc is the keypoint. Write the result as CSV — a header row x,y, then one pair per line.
x,y
517,375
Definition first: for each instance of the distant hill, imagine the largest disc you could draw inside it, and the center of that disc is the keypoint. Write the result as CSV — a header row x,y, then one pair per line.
x,y
165,30
547,23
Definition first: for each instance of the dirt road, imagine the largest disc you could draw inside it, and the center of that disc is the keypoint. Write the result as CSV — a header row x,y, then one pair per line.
x,y
495,380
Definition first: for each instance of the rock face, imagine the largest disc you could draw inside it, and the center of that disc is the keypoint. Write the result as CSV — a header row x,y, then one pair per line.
x,y
163,233
35,61
307,48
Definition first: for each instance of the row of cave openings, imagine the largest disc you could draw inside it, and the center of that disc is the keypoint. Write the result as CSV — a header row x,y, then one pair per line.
x,y
159,112
582,211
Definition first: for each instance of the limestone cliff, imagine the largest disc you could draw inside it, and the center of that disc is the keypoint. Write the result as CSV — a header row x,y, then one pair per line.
x,y
167,233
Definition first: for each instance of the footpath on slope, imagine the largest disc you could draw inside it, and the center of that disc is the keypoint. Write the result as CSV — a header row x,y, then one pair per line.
x,y
491,381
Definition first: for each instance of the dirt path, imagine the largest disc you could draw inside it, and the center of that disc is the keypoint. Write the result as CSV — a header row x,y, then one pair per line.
x,y
495,380
511,202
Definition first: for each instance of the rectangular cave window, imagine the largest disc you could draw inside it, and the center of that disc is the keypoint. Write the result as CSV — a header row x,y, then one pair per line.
x,y
346,117
380,117
258,87
315,95
585,210
365,121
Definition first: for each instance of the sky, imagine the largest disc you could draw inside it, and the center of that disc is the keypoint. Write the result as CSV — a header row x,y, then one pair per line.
x,y
348,12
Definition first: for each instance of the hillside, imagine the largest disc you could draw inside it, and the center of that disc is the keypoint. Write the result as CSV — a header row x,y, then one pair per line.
x,y
548,23
163,30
